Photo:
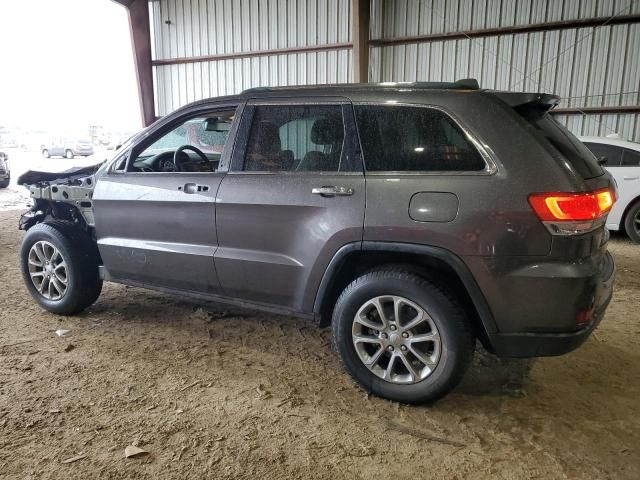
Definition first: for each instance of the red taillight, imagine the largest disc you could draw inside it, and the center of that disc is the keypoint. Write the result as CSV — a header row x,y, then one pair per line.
x,y
572,207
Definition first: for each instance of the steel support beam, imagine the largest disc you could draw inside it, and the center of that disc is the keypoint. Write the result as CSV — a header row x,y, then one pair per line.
x,y
140,29
488,32
252,54
611,109
360,18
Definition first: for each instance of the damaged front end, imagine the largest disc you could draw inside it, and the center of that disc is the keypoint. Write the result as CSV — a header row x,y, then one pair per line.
x,y
66,196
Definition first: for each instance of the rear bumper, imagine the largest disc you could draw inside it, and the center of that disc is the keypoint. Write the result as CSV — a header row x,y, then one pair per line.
x,y
540,344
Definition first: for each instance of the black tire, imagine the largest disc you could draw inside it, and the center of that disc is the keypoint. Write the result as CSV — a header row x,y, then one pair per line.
x,y
456,336
68,154
4,184
632,222
81,256
45,153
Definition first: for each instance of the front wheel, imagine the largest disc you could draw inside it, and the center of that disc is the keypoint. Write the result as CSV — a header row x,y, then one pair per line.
x,y
68,154
632,222
401,337
60,268
45,153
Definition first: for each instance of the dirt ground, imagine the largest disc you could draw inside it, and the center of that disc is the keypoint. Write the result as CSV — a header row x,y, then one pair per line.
x,y
220,393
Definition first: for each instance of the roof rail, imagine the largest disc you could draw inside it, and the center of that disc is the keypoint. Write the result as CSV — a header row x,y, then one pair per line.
x,y
462,84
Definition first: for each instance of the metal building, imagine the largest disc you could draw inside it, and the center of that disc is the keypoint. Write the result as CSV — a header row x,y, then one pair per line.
x,y
587,51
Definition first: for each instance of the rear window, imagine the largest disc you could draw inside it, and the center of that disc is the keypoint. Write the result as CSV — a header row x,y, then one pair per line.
x,y
563,141
414,139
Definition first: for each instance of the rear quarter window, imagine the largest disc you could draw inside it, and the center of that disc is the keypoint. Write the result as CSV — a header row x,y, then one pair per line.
x,y
414,139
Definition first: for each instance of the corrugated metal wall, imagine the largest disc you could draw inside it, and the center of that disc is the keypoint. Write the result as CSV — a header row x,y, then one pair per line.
x,y
598,66
211,27
595,66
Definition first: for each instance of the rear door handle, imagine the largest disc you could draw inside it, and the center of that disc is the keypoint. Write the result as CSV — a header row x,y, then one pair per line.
x,y
193,188
631,178
332,191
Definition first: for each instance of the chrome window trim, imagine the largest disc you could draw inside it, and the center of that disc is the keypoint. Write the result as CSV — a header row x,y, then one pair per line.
x,y
169,173
485,151
298,173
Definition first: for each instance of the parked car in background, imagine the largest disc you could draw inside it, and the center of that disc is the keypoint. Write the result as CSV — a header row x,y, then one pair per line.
x,y
623,161
258,200
5,174
61,147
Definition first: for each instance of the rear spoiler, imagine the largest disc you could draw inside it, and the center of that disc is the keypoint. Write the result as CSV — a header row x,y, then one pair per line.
x,y
528,104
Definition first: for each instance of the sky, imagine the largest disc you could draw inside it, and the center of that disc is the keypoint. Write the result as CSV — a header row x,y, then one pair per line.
x,y
66,64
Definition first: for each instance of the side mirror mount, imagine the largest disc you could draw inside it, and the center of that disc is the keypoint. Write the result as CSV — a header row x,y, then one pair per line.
x,y
602,160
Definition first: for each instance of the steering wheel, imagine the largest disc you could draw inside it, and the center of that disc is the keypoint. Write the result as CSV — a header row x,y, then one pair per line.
x,y
178,163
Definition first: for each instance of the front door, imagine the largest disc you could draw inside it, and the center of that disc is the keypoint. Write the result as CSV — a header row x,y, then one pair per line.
x,y
295,194
155,219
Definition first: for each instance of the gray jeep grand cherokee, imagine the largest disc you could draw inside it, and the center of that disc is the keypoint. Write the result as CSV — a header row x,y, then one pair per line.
x,y
414,219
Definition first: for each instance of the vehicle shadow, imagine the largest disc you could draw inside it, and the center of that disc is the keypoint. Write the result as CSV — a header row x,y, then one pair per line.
x,y
234,327
492,375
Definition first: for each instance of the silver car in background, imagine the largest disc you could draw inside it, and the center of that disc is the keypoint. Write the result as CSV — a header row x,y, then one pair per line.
x,y
5,174
623,162
69,148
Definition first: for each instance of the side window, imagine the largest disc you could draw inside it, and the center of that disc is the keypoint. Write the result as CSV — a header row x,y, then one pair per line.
x,y
630,158
201,141
414,139
612,153
305,138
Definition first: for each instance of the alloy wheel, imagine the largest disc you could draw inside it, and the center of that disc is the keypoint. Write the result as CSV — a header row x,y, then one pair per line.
x,y
48,270
396,339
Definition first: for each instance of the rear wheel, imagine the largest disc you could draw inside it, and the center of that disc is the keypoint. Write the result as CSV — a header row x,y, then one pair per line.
x,y
632,222
68,154
4,184
45,153
60,268
400,337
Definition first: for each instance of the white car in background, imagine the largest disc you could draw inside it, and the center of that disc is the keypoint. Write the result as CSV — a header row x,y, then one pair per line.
x,y
623,162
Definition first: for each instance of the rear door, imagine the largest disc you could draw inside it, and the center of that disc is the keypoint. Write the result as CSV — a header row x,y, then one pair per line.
x,y
156,224
294,196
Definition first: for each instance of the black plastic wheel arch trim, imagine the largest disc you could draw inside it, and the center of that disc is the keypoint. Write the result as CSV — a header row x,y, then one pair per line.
x,y
451,259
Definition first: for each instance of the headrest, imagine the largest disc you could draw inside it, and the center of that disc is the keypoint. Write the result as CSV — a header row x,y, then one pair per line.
x,y
268,139
327,131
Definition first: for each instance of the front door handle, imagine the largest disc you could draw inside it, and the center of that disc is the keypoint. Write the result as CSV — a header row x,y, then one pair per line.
x,y
194,188
332,191
631,178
